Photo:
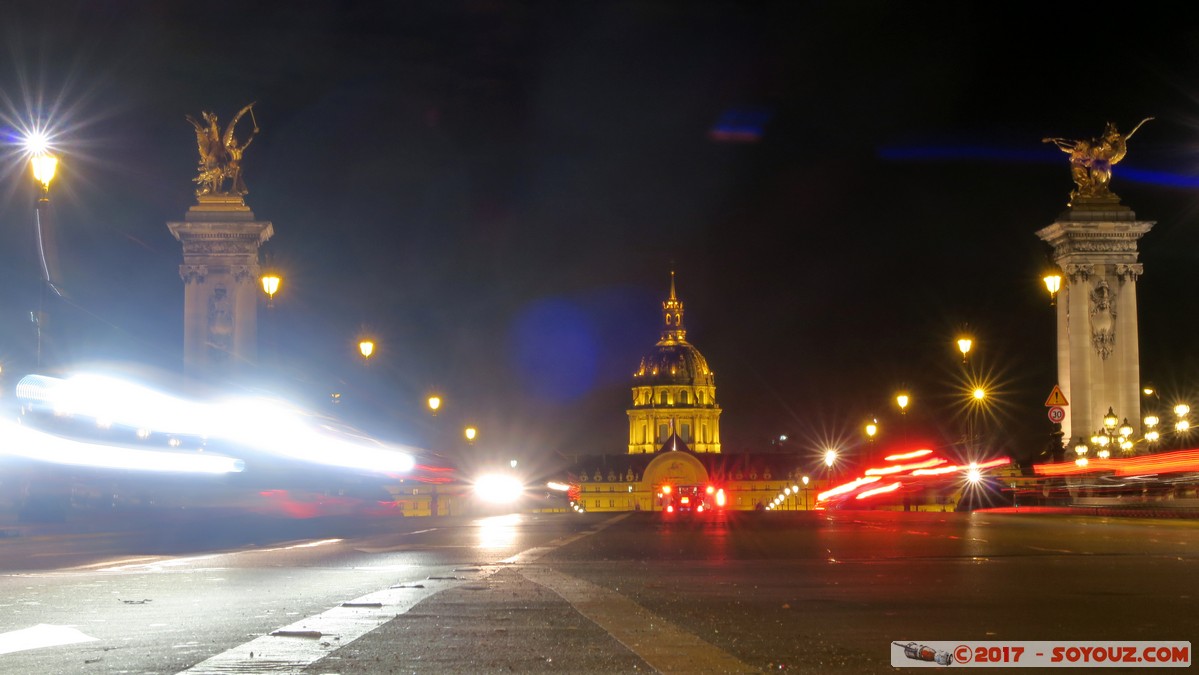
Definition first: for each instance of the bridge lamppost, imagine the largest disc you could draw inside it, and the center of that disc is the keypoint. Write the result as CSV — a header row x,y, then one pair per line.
x,y
871,431
366,347
44,165
270,285
964,345
1113,433
1053,284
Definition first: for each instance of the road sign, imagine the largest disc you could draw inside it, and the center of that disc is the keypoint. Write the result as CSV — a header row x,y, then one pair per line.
x,y
1056,397
1057,414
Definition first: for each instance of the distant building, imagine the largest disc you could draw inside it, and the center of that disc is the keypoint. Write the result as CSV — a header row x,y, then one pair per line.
x,y
674,392
674,440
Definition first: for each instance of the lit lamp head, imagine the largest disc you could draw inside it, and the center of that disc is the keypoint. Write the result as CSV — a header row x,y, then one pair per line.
x,y
830,457
1053,284
902,400
470,433
871,430
270,286
964,345
44,163
1110,420
366,348
979,393
1125,428
434,404
44,166
1151,433
1080,448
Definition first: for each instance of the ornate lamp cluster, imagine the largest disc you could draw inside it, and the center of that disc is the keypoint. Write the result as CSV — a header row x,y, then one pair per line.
x,y
1113,434
1116,433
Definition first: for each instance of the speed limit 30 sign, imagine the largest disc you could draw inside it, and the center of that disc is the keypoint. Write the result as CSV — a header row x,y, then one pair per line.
x,y
1057,414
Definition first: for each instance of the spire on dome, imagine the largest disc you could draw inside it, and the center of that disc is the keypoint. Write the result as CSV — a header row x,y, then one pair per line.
x,y
672,315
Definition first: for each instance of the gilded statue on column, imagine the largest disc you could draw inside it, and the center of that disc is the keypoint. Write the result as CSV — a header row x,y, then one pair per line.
x,y
221,153
1091,160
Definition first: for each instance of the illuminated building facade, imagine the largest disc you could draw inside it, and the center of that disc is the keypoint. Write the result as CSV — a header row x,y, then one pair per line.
x,y
674,392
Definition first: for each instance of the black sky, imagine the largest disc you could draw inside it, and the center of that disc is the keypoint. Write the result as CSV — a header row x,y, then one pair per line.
x,y
497,190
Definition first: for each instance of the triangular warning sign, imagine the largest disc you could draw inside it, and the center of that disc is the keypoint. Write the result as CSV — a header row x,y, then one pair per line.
x,y
1056,397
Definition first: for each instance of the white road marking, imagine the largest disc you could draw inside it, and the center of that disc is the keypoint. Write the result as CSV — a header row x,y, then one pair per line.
x,y
41,635
657,641
295,646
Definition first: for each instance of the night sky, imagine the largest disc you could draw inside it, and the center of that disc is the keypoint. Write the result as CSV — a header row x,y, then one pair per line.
x,y
496,191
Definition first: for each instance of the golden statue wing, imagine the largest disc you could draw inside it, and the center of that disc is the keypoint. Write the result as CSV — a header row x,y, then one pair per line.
x,y
203,140
228,137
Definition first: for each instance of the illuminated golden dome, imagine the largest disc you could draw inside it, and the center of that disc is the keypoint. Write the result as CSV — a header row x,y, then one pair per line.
x,y
674,360
674,363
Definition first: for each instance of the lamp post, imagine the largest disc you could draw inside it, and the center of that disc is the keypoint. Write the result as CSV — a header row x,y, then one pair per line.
x,y
1080,452
830,460
270,285
1113,434
871,430
366,347
806,488
44,166
1053,284
964,345
1182,424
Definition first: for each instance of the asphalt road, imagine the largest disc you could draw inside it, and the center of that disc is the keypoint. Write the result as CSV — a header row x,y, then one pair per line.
x,y
749,592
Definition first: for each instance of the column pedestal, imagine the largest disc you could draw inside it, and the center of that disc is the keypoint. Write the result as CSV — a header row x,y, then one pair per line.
x,y
1098,352
220,239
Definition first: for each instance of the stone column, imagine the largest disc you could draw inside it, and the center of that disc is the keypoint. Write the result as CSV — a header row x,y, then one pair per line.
x,y
1095,244
220,239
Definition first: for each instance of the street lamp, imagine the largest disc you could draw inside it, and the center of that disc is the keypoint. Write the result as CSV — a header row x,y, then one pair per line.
x,y
1113,433
902,400
1080,451
1151,435
1182,424
470,433
964,345
871,432
1053,283
805,480
434,404
366,348
270,286
44,166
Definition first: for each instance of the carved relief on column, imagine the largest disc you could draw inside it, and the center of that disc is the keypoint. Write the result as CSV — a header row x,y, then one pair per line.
x,y
243,273
1079,272
193,273
197,245
220,321
1130,272
1103,319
